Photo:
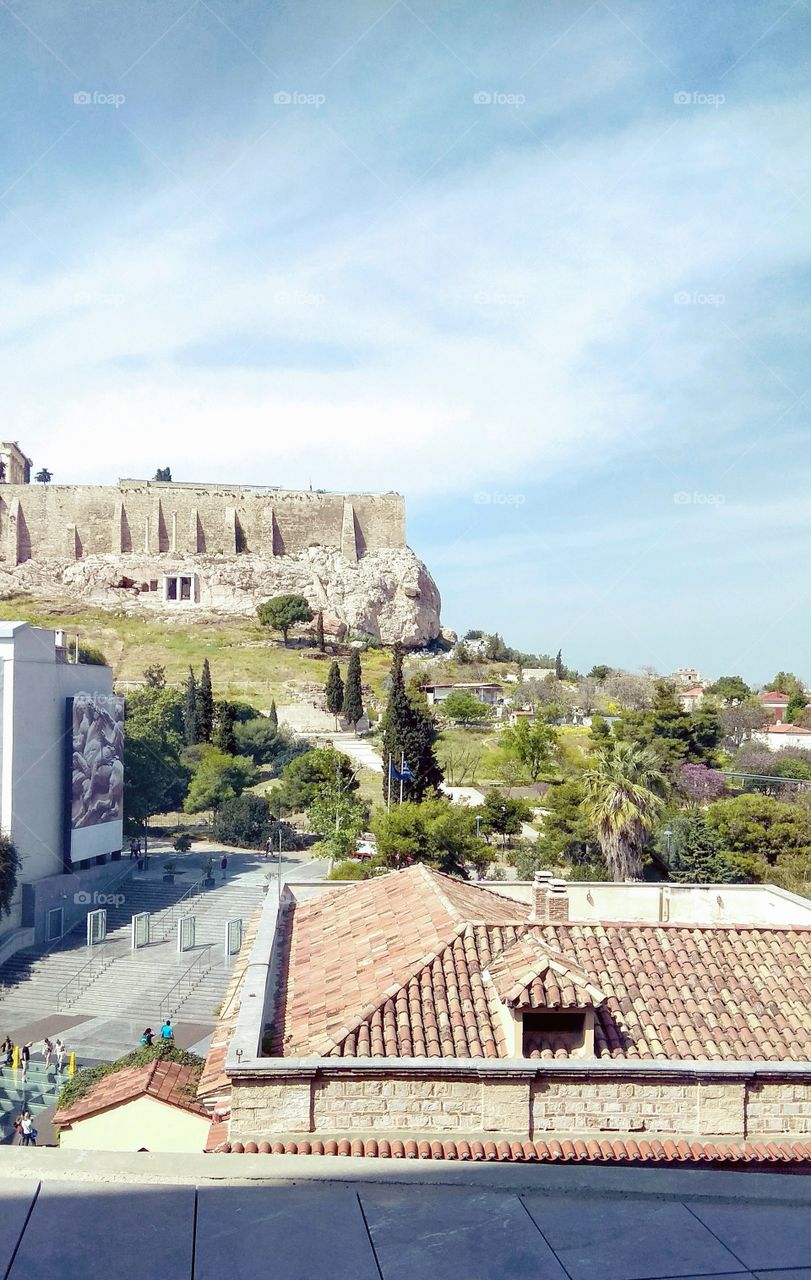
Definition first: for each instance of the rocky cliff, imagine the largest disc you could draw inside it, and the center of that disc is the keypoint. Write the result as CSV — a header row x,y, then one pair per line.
x,y
387,593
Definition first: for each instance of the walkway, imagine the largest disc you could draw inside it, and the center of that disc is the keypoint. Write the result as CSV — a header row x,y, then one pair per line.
x,y
379,1220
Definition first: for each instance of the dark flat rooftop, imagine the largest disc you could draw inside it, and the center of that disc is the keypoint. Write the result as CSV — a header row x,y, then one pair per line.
x,y
91,1215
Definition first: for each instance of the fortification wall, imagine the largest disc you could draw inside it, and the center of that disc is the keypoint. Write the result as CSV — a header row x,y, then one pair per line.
x,y
69,522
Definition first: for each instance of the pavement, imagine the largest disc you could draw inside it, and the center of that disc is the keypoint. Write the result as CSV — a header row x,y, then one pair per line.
x,y
96,1214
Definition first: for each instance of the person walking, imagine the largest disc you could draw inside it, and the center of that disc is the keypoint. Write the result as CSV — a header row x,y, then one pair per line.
x,y
47,1051
268,846
60,1053
7,1051
224,865
133,849
25,1058
167,1033
18,1128
147,1038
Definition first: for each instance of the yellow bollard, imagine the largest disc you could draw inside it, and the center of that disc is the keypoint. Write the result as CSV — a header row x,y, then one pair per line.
x,y
15,1058
72,1064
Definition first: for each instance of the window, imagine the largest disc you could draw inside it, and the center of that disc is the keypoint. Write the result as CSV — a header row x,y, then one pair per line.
x,y
185,588
180,589
171,588
553,1029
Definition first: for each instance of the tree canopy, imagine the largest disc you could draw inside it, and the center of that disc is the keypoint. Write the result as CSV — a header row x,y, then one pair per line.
x,y
283,612
532,744
623,799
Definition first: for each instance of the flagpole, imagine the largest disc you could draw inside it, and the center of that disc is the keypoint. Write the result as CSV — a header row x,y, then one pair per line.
x,y
388,806
402,770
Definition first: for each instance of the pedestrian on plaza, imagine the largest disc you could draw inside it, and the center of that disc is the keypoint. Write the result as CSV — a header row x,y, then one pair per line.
x,y
167,1034
224,865
147,1038
18,1128
7,1051
60,1053
268,846
29,1133
133,849
47,1050
25,1058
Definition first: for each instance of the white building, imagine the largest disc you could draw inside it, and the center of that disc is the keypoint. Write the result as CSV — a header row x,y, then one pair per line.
x,y
61,775
484,691
777,736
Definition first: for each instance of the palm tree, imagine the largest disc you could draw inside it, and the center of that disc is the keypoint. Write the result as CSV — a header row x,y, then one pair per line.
x,y
623,800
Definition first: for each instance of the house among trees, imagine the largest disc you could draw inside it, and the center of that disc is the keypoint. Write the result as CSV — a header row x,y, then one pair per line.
x,y
488,693
775,703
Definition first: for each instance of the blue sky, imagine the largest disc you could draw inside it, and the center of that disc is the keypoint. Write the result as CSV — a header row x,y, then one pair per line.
x,y
541,266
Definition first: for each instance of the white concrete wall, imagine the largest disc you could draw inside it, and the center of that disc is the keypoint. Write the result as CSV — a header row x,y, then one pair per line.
x,y
143,1124
674,903
33,690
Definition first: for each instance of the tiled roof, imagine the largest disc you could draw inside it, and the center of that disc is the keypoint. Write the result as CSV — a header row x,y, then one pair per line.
x,y
770,696
170,1082
783,727
566,1151
529,975
352,950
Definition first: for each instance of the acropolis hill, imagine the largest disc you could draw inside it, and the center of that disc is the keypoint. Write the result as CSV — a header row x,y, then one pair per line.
x,y
208,549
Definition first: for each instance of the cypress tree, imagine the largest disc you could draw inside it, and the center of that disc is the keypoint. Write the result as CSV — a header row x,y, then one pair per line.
x,y
205,705
319,629
410,731
224,737
190,710
334,690
273,715
353,695
558,666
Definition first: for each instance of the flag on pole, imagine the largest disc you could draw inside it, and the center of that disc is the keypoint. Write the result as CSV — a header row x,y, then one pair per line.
x,y
402,774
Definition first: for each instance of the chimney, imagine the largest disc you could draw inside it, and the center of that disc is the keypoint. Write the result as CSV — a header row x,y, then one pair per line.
x,y
540,888
557,902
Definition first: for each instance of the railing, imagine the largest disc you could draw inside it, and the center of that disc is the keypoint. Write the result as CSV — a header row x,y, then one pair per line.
x,y
82,979
186,983
178,908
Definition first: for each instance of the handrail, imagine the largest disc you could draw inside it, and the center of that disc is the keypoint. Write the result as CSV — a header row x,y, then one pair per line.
x,y
170,1003
178,908
63,994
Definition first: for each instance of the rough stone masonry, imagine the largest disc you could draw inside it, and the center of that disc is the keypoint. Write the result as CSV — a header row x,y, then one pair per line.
x,y
219,549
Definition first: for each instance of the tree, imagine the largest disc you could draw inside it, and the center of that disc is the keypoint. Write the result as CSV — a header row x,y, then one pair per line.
x,y
155,676
599,733
334,691
531,744
9,870
273,715
190,716
675,735
44,476
730,689
567,834
92,656
796,705
760,829
319,629
558,666
224,733
302,777
693,852
409,732
155,778
434,831
283,612
786,682
699,784
502,815
353,691
243,820
600,672
205,705
338,817
462,707
623,790
163,474
739,721
218,777
629,692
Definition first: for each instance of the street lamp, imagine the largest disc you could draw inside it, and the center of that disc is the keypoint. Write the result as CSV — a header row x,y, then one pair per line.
x,y
667,833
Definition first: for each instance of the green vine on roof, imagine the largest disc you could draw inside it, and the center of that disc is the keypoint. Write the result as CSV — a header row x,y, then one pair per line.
x,y
84,1080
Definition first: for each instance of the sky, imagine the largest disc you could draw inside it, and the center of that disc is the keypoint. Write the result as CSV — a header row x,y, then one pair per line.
x,y
541,266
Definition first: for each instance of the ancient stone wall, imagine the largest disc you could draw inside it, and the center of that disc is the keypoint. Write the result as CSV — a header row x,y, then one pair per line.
x,y
657,1104
70,522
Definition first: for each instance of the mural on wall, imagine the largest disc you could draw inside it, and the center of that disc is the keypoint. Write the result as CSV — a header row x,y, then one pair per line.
x,y
97,761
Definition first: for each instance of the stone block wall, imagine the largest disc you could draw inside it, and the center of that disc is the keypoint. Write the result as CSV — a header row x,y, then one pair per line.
x,y
333,1104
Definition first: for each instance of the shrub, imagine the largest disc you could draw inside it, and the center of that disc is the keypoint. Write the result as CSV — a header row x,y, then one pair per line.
x,y
349,870
246,821
84,1080
92,656
182,843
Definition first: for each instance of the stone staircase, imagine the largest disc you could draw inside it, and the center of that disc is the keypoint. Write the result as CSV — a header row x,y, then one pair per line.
x,y
124,983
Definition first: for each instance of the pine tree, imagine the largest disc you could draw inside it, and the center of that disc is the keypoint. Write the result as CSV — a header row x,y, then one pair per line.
x,y
558,666
319,629
273,715
409,732
353,695
205,705
190,710
334,690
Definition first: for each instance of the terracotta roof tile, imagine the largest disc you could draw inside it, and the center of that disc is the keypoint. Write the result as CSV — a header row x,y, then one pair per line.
x,y
170,1082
